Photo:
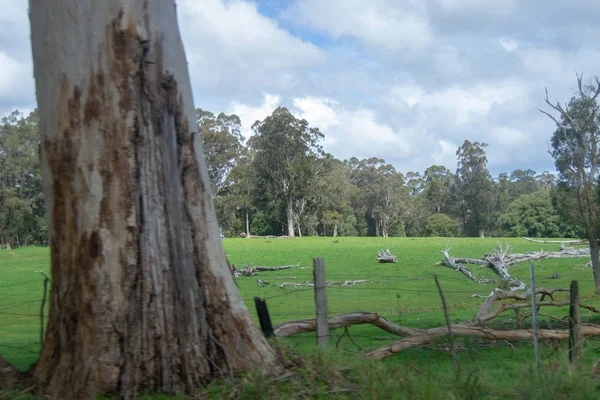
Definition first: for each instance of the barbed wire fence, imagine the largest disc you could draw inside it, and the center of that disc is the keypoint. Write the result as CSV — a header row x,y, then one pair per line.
x,y
402,299
23,314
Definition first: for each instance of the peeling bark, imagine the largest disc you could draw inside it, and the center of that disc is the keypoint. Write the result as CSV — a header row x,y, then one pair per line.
x,y
141,297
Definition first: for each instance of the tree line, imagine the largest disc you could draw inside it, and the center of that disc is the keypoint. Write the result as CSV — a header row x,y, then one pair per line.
x,y
280,181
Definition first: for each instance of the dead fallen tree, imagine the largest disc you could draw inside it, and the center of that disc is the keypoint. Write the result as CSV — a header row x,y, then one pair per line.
x,y
500,259
384,256
361,318
479,332
328,283
493,306
248,270
266,237
576,242
456,264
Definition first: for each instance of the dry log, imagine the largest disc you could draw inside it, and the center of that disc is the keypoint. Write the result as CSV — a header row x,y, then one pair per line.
x,y
386,256
474,327
269,237
328,283
452,263
480,332
251,271
259,268
309,325
500,259
578,241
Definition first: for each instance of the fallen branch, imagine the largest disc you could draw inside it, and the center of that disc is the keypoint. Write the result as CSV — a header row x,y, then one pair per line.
x,y
578,241
474,327
480,332
386,256
361,318
328,283
258,268
248,270
499,259
267,237
455,265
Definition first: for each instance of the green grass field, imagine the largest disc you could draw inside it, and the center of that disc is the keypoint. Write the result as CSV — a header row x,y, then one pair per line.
x,y
404,293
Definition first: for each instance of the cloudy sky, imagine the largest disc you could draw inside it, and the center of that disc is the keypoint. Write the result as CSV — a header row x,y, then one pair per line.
x,y
403,80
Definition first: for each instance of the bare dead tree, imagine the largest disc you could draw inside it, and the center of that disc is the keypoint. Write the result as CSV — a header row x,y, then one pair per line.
x,y
575,149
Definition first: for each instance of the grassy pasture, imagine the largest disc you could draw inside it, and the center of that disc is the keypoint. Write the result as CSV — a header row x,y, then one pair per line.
x,y
404,293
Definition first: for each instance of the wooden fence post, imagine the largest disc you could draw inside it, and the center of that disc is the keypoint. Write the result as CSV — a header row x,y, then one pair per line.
x,y
536,339
321,302
263,317
575,340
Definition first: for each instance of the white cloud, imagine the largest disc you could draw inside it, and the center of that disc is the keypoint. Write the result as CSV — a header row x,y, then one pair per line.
x,y
509,45
16,83
510,137
488,7
317,111
390,25
249,114
463,103
356,132
231,47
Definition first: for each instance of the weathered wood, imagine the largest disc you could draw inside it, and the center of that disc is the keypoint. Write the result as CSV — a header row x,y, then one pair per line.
x,y
474,327
578,241
454,264
263,317
534,321
575,339
141,297
321,302
259,268
448,322
500,259
291,328
328,283
384,256
479,332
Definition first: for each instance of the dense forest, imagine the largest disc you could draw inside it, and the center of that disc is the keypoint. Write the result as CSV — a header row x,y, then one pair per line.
x,y
280,181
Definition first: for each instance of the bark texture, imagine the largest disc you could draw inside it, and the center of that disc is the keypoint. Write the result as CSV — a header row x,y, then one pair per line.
x,y
142,298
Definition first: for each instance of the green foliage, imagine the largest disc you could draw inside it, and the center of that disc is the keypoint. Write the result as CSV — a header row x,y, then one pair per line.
x,y
381,196
222,145
474,189
533,215
22,210
285,151
440,225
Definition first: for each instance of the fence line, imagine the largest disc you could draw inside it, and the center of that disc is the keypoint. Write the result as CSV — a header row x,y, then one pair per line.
x,y
22,327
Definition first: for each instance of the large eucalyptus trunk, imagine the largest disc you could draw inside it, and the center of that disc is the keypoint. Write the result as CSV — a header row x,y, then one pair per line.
x,y
142,298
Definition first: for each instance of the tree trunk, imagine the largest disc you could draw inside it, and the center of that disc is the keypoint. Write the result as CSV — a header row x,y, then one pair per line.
x,y
594,254
247,225
290,219
142,298
335,230
482,233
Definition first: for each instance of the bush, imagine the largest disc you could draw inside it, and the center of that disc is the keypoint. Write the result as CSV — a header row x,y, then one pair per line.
x,y
440,225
